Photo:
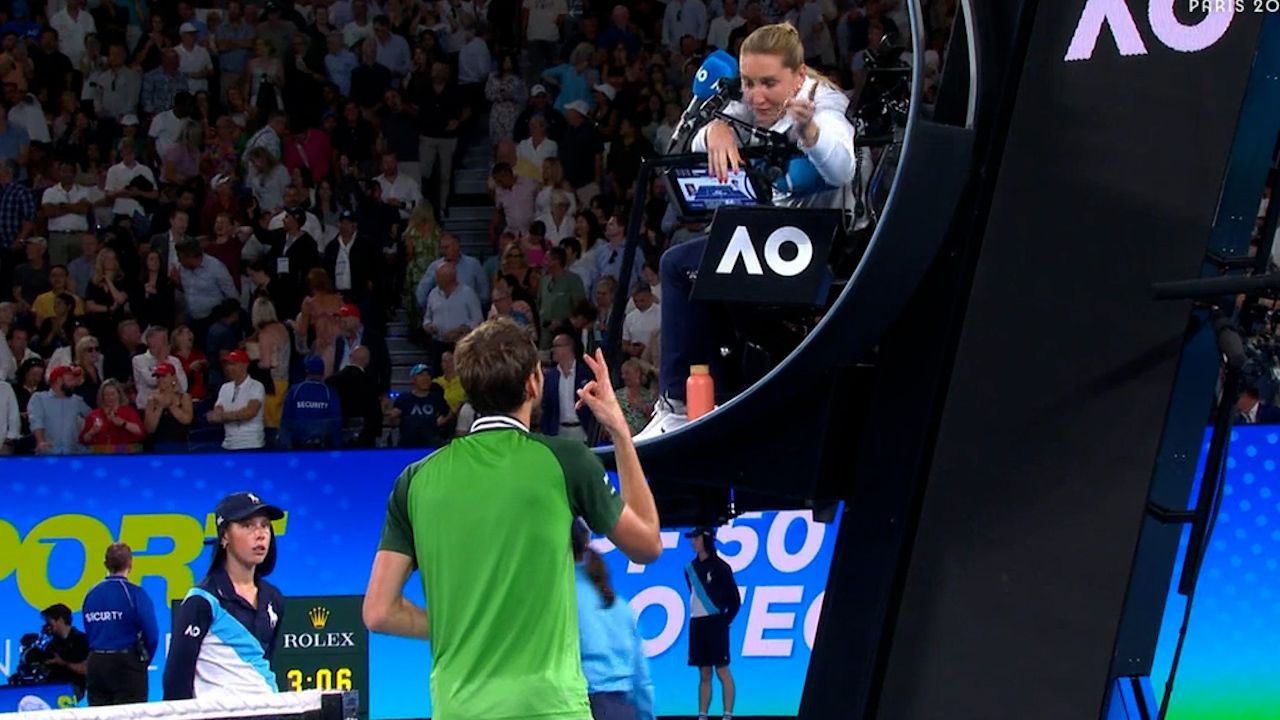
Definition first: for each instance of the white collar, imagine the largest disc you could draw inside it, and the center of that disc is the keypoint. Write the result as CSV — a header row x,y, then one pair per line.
x,y
497,422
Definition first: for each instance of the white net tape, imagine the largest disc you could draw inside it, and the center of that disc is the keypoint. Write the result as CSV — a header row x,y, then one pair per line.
x,y
247,707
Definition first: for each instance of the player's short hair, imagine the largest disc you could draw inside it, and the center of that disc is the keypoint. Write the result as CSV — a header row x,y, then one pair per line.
x,y
493,362
119,557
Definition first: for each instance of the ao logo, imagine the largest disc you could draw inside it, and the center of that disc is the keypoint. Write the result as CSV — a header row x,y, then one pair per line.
x,y
741,248
1167,28
702,75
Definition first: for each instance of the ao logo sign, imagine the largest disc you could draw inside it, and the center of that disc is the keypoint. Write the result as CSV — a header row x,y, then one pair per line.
x,y
1167,28
741,248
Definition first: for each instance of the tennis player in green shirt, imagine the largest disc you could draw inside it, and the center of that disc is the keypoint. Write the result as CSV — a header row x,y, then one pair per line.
x,y
484,522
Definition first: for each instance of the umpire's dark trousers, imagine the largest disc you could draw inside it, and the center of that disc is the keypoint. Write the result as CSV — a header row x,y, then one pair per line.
x,y
116,678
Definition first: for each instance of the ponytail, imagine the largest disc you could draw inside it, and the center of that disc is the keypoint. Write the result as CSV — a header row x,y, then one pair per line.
x,y
598,574
783,40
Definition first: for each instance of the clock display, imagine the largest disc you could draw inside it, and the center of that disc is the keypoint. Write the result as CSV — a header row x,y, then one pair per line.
x,y
320,679
323,645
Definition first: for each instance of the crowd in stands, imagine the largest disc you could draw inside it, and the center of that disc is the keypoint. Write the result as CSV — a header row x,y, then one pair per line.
x,y
209,211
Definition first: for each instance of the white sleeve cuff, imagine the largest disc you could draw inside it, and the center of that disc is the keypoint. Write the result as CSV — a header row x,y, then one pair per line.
x,y
833,154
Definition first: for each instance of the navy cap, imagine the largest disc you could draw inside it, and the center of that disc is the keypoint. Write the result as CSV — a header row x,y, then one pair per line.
x,y
347,214
706,532
242,505
314,365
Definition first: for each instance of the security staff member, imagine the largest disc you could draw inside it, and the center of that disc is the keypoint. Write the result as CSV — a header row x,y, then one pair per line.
x,y
713,604
120,621
312,415
226,627
68,650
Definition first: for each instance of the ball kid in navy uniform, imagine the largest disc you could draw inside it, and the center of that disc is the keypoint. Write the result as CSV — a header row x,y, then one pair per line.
x,y
226,627
120,620
713,604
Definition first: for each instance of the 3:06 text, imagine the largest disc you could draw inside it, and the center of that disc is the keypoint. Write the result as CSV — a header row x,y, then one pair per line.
x,y
324,679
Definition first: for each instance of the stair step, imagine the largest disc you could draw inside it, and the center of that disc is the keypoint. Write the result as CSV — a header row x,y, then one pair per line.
x,y
467,212
468,227
461,200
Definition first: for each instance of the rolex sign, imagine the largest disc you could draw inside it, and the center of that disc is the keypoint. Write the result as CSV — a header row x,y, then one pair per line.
x,y
323,646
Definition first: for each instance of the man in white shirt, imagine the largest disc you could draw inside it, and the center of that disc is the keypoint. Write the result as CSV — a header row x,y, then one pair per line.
x,y
398,190
117,87
193,59
166,126
641,324
66,205
144,365
123,173
27,114
720,28
542,20
239,406
310,225
683,17
360,28
72,23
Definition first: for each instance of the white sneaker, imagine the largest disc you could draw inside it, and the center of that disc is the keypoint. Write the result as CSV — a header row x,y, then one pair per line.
x,y
668,415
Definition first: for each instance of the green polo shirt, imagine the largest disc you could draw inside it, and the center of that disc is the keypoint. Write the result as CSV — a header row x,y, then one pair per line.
x,y
557,296
486,520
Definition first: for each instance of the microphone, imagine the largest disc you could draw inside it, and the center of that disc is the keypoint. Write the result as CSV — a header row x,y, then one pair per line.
x,y
718,65
714,85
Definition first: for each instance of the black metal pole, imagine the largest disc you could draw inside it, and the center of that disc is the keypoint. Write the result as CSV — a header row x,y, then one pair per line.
x,y
613,343
1210,494
1268,233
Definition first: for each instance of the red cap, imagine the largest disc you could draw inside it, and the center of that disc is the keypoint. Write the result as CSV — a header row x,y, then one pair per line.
x,y
349,310
238,356
56,374
163,370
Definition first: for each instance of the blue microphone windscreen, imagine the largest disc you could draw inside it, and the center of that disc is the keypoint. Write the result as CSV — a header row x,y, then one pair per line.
x,y
718,64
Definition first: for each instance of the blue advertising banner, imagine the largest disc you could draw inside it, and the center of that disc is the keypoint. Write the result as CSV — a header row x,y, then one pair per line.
x,y
59,515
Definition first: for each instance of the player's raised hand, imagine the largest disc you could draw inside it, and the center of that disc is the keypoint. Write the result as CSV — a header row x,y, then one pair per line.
x,y
600,399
